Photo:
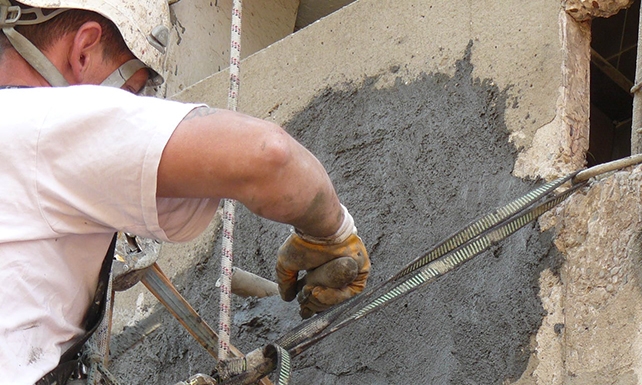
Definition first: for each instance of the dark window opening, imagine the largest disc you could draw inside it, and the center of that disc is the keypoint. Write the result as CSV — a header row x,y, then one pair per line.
x,y
613,59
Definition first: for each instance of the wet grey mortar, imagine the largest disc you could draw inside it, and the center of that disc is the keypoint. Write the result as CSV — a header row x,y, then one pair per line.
x,y
413,163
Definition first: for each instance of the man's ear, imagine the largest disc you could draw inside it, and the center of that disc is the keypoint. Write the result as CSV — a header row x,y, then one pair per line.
x,y
86,51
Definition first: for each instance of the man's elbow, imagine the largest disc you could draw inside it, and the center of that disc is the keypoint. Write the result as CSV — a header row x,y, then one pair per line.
x,y
277,149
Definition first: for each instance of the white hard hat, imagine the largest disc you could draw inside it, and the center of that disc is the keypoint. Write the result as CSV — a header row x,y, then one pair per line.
x,y
144,24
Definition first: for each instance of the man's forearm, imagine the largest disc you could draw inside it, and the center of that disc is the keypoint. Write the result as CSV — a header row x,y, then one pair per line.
x,y
222,154
303,195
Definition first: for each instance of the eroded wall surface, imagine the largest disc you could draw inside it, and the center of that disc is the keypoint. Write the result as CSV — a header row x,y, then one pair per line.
x,y
591,334
428,115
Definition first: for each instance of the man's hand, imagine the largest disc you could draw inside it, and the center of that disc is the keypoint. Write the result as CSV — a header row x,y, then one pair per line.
x,y
337,266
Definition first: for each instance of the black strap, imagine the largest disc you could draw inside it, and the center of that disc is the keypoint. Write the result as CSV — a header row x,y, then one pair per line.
x,y
70,360
60,374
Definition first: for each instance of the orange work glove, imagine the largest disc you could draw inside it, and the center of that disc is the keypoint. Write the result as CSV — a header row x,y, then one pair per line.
x,y
337,268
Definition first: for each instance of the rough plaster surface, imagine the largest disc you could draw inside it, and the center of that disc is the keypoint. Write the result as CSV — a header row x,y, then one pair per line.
x,y
409,179
598,331
583,10
559,146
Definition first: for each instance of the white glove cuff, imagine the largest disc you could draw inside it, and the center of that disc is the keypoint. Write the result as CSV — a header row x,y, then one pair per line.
x,y
346,229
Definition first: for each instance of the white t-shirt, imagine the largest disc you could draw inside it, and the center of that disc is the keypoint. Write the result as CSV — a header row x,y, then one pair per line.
x,y
76,164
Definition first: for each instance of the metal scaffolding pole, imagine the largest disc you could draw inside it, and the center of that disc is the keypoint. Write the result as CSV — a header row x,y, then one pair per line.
x,y
636,123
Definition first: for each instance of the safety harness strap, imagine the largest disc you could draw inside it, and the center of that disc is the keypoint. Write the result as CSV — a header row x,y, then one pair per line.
x,y
70,360
35,58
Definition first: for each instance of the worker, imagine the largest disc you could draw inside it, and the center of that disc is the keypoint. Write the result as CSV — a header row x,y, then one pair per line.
x,y
83,158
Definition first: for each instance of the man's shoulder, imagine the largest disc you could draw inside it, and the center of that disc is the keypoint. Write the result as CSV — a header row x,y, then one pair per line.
x,y
71,91
9,87
82,99
58,95
68,110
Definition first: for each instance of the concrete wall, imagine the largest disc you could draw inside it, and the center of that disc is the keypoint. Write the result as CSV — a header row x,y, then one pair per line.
x,y
428,114
201,36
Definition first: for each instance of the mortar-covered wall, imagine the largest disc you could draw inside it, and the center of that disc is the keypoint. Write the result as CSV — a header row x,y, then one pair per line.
x,y
428,114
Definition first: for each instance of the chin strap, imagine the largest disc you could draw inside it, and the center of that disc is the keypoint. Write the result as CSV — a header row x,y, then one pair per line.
x,y
123,73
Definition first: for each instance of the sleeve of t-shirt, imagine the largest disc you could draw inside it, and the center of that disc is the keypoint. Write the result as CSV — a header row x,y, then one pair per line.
x,y
98,154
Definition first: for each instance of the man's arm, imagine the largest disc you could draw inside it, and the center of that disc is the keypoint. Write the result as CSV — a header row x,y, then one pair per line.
x,y
224,154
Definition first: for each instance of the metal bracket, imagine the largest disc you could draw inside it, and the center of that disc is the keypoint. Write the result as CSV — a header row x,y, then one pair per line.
x,y
134,257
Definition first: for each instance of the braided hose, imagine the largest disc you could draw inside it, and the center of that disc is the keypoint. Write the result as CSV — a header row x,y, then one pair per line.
x,y
229,206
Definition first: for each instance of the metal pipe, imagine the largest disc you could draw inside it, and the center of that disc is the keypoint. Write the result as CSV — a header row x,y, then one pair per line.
x,y
603,168
246,284
163,289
